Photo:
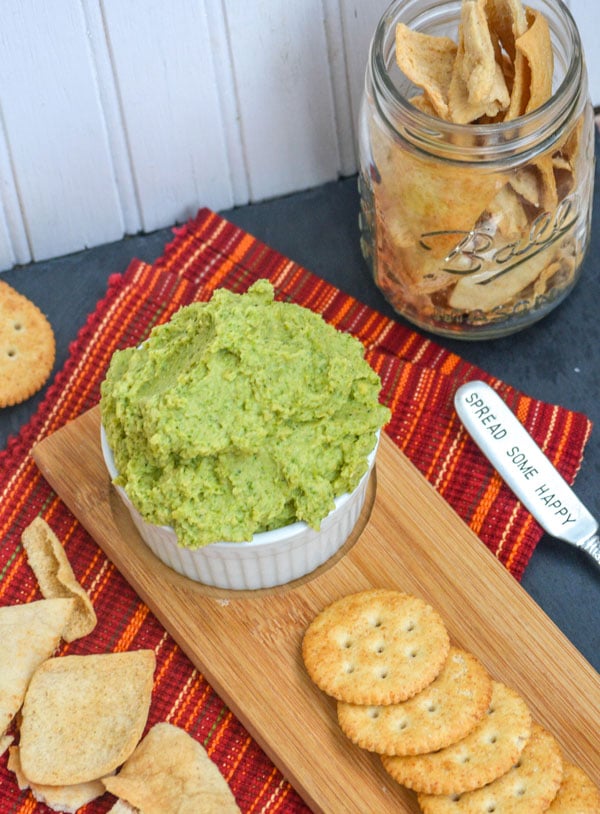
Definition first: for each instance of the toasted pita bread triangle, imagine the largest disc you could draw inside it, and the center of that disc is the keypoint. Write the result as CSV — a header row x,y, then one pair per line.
x,y
534,67
84,715
427,61
53,571
30,634
165,763
67,799
508,19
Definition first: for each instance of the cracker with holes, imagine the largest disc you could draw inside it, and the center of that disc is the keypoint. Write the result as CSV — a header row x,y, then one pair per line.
x,y
439,715
577,793
528,787
375,647
27,347
491,748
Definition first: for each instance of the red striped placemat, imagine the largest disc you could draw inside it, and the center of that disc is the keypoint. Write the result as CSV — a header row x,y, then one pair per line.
x,y
418,382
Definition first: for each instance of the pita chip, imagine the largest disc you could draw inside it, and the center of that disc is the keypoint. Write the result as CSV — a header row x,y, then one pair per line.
x,y
479,61
83,716
170,771
508,20
493,288
427,61
536,47
533,66
5,742
30,634
67,799
53,571
121,807
466,103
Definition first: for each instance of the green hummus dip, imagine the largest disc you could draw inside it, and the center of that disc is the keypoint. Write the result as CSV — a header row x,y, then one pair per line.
x,y
240,415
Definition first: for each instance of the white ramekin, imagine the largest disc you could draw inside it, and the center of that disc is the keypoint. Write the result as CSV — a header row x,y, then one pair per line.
x,y
271,558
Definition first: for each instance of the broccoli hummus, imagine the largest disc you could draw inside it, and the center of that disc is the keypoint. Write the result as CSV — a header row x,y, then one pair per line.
x,y
240,415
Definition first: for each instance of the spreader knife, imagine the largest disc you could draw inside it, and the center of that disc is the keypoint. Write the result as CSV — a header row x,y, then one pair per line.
x,y
523,466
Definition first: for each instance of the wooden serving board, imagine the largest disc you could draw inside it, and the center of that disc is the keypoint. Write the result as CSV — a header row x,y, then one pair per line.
x,y
248,644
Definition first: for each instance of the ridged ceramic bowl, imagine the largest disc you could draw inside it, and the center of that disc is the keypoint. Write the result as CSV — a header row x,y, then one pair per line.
x,y
271,558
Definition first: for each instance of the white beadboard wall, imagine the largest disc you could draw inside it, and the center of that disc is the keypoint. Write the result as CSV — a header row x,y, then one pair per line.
x,y
121,116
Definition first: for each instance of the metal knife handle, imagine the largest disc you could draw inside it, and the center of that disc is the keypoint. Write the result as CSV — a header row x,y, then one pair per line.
x,y
592,547
522,464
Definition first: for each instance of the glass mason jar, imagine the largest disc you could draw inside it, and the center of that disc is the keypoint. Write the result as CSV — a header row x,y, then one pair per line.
x,y
474,231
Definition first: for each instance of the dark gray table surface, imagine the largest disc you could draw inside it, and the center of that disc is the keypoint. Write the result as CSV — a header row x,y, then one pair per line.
x,y
556,360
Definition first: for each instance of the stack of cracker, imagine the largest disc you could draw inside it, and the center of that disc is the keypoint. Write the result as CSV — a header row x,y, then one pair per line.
x,y
442,725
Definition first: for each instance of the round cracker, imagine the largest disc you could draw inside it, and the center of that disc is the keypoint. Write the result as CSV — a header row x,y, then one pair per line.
x,y
439,715
527,788
577,793
491,748
375,647
27,347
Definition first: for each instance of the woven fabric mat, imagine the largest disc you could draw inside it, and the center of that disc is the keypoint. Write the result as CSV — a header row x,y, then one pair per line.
x,y
418,383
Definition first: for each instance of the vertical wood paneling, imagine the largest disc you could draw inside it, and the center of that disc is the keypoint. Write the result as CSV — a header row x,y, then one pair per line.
x,y
586,16
283,86
113,114
55,130
225,85
359,20
165,75
124,115
14,246
338,67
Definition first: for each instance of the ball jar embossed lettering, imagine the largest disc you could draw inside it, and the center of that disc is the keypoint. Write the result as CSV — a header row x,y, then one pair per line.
x,y
474,230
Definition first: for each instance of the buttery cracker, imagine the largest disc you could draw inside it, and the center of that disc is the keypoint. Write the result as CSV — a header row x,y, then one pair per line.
x,y
27,347
375,647
577,793
442,713
491,748
53,571
527,788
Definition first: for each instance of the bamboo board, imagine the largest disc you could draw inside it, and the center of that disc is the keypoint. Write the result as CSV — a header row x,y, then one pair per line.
x,y
247,644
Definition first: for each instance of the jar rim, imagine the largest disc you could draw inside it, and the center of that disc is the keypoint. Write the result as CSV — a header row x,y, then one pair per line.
x,y
490,141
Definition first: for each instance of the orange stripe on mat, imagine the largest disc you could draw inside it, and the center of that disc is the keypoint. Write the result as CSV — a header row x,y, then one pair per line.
x,y
262,791
516,546
132,629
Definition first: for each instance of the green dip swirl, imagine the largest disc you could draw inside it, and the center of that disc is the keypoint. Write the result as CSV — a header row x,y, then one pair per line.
x,y
240,415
